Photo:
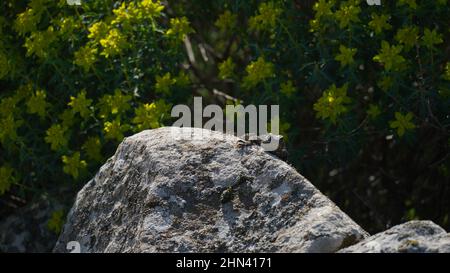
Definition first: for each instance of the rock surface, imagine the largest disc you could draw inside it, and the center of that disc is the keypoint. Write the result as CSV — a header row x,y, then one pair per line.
x,y
410,237
194,190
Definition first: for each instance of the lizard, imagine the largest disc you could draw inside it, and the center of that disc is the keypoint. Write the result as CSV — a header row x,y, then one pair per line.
x,y
248,140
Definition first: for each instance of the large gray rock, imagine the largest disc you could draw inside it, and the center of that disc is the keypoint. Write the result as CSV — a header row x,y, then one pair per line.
x,y
193,190
410,237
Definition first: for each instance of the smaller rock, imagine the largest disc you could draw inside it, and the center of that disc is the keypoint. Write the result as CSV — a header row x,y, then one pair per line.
x,y
410,237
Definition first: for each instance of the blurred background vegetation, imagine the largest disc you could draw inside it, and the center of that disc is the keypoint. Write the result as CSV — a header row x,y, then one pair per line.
x,y
364,92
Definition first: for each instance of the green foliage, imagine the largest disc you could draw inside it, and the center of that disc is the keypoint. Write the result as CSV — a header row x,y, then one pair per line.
x,y
364,91
56,221
74,81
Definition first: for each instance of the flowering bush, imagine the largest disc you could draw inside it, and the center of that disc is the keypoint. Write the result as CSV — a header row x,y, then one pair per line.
x,y
364,91
75,80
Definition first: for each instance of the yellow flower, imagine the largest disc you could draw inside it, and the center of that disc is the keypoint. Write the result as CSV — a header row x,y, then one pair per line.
x,y
164,83
86,57
56,137
150,115
23,92
347,13
37,103
390,57
7,178
39,43
346,55
266,19
402,123
257,72
408,36
226,69
80,104
151,9
115,130
182,79
332,103
113,43
92,147
315,25
125,13
131,13
287,88
379,22
431,38
226,21
8,106
27,21
73,164
98,31
67,118
145,116
8,128
56,221
179,28
67,25
323,8
114,104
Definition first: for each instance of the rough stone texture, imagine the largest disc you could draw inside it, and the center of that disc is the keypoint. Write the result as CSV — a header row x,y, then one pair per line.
x,y
410,237
161,193
26,230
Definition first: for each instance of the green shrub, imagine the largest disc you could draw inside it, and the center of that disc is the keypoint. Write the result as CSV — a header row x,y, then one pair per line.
x,y
76,80
363,90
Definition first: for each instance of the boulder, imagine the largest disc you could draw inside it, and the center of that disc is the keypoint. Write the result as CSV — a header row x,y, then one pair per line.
x,y
194,190
410,237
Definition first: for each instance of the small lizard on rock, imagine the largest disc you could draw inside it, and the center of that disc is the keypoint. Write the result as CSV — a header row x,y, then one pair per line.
x,y
250,139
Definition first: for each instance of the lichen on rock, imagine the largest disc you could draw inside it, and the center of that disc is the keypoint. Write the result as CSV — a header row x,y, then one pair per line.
x,y
409,237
